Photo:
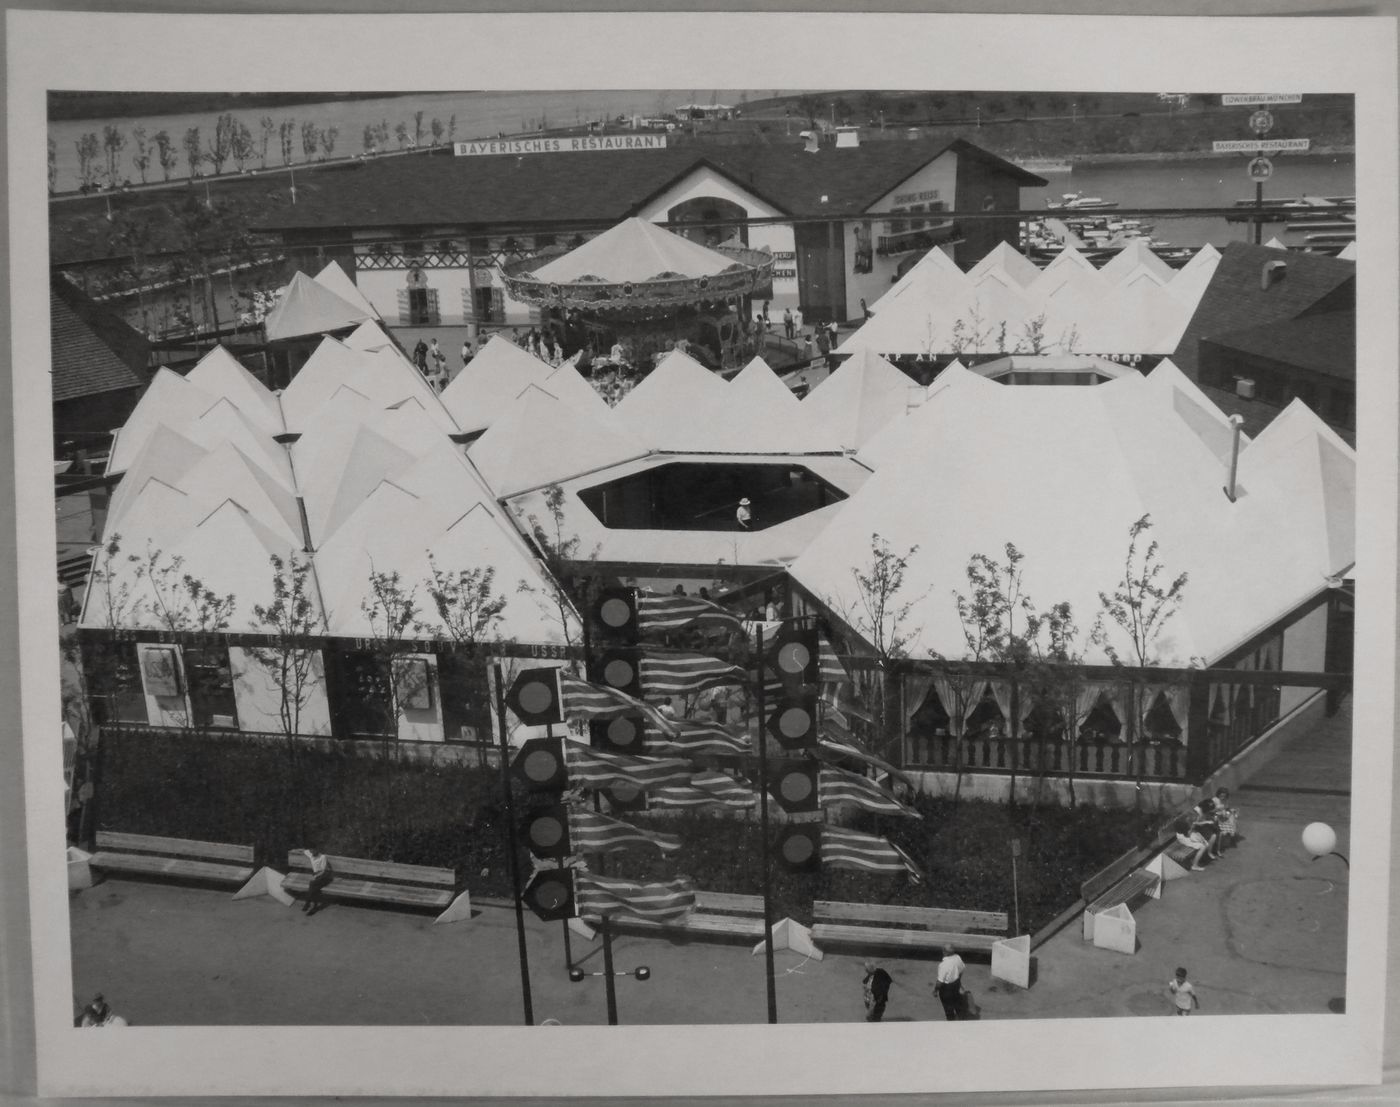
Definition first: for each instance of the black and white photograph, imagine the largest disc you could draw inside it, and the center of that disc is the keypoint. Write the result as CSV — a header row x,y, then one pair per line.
x,y
686,573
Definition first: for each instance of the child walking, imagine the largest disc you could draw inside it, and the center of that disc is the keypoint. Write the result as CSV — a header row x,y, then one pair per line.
x,y
1183,995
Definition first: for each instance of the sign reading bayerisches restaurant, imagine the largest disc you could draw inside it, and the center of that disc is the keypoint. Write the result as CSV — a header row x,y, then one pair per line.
x,y
560,145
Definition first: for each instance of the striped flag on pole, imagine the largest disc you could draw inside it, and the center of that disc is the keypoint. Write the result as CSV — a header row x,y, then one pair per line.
x,y
695,739
829,665
680,672
590,768
850,849
583,700
660,613
704,789
590,832
834,746
607,896
839,786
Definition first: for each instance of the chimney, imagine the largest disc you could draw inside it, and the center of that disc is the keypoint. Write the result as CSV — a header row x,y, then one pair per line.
x,y
1272,273
847,136
1236,423
812,142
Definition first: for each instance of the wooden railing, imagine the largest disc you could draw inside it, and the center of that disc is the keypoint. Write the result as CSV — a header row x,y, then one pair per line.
x,y
939,753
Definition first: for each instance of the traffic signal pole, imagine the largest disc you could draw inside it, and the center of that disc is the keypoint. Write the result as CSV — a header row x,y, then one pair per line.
x,y
568,945
762,741
511,851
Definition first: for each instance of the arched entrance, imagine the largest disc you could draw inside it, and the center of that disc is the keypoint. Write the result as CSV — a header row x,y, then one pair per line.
x,y
711,210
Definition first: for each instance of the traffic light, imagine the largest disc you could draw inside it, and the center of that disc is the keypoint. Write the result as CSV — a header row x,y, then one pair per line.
x,y
625,797
793,722
800,847
540,765
550,894
547,831
535,697
794,784
795,657
624,734
613,617
618,668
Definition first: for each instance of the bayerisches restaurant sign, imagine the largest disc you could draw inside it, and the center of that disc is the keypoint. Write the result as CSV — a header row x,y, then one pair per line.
x,y
563,145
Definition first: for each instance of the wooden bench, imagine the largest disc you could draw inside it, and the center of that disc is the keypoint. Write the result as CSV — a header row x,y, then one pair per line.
x,y
1121,882
718,915
387,882
143,855
904,929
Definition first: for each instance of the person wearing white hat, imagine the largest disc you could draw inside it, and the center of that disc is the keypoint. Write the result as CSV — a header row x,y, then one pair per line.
x,y
744,515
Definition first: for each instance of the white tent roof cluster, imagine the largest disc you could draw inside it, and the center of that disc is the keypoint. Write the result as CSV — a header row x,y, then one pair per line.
x,y
353,468
322,304
1063,473
1135,304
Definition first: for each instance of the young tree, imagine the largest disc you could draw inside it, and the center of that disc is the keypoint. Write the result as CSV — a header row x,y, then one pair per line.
x,y
221,145
178,600
310,139
266,128
971,335
243,146
452,127
166,153
437,130
418,128
286,133
113,142
369,138
88,148
142,158
194,154
1056,678
328,137
1142,602
1032,339
566,582
1069,339
290,620
401,133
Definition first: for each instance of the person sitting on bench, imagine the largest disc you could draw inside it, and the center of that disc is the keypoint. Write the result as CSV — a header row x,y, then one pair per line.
x,y
1189,836
1203,822
320,877
1225,817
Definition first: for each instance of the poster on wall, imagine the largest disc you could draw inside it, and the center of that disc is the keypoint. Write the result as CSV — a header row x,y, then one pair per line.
x,y
161,671
412,680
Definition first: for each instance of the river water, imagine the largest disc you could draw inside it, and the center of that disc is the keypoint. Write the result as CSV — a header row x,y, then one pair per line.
x,y
479,115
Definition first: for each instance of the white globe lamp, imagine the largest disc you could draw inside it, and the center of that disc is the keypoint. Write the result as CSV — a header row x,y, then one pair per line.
x,y
1319,839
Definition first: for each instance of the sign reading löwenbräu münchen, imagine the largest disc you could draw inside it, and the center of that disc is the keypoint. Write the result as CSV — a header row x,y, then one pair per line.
x,y
560,145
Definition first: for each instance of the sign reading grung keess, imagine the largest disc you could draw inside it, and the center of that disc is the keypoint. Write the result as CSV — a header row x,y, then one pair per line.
x,y
561,145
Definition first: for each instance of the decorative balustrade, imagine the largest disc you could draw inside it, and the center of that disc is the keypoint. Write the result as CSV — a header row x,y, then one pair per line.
x,y
940,753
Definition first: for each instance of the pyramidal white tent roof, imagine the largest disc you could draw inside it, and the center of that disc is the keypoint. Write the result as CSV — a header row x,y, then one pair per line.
x,y
221,374
1136,254
369,335
309,308
224,422
757,384
339,468
667,409
780,422
169,399
1348,252
568,385
539,440
334,278
932,273
382,376
166,455
1118,451
861,396
330,367
1005,259
635,250
486,387
153,512
227,473
888,444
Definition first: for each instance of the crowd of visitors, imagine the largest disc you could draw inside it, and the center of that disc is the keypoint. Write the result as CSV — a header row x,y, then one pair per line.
x,y
1209,826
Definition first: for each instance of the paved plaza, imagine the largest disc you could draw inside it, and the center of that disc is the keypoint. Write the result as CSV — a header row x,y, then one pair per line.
x,y
1262,931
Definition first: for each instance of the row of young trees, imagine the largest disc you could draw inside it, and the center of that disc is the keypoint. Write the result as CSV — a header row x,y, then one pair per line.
x,y
101,161
1041,647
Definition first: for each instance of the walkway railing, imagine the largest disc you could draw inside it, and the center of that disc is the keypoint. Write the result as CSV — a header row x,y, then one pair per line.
x,y
939,753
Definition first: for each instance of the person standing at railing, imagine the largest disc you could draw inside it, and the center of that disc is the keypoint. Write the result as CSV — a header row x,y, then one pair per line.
x,y
789,324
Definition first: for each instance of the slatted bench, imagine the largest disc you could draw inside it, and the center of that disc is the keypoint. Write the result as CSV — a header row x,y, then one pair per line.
x,y
717,915
1121,882
143,855
904,929
385,882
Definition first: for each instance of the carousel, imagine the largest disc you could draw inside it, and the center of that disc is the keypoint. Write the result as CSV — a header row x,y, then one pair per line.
x,y
634,293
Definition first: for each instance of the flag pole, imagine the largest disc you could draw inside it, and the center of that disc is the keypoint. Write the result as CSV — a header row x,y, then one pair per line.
x,y
761,740
568,948
511,851
609,983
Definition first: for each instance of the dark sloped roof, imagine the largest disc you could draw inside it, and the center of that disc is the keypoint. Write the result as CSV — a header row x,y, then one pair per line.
x,y
94,350
1234,300
1258,414
606,186
1318,343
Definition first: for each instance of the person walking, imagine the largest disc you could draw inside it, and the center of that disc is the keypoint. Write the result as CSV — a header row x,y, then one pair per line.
x,y
1183,995
744,516
420,357
949,987
467,352
876,986
320,877
438,362
823,344
789,325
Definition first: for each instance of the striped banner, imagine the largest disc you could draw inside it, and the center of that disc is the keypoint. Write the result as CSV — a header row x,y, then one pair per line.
x,y
679,673
831,669
583,700
850,849
696,739
606,896
834,746
590,832
659,614
839,786
705,789
590,768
